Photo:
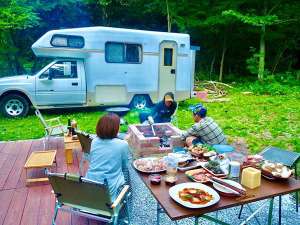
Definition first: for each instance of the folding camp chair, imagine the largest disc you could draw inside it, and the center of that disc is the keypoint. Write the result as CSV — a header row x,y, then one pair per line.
x,y
53,127
88,198
85,142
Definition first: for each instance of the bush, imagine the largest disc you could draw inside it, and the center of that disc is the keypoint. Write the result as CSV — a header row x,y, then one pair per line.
x,y
280,84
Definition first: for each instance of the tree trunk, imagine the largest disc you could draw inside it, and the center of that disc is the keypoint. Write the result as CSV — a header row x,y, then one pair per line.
x,y
212,65
104,16
18,67
262,53
222,59
168,17
10,68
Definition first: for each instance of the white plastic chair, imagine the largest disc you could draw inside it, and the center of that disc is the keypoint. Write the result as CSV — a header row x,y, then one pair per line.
x,y
53,127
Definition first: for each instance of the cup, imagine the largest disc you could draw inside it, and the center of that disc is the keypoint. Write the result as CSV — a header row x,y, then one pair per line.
x,y
234,169
171,176
155,178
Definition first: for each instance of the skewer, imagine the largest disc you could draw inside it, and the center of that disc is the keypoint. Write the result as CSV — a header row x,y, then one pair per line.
x,y
153,129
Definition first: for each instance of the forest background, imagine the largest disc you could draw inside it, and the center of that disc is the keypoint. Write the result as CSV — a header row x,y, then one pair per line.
x,y
241,40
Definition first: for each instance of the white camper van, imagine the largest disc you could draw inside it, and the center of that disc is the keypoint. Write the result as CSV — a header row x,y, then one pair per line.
x,y
97,66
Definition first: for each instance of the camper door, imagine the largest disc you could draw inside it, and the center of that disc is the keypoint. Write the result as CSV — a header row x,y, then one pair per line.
x,y
167,67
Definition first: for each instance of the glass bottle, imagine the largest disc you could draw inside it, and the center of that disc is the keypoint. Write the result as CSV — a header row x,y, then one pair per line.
x,y
69,127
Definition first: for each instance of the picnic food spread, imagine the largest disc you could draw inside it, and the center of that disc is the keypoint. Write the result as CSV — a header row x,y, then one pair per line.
x,y
195,196
199,149
199,175
215,167
251,177
253,161
150,165
275,170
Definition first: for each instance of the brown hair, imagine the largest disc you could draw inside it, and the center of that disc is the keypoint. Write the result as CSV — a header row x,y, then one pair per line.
x,y
108,126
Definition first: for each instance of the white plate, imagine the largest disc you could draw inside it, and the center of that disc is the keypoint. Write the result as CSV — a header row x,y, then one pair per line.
x,y
226,191
173,192
148,159
179,157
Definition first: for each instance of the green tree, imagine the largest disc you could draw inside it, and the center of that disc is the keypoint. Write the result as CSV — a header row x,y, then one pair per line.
x,y
262,17
14,16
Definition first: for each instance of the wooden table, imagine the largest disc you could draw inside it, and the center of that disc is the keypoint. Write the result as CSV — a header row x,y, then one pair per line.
x,y
39,159
267,190
70,144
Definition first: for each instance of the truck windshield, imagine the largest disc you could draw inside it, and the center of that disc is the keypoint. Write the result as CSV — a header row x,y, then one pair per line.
x,y
39,64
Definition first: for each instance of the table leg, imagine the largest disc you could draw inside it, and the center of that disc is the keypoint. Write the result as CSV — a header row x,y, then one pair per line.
x,y
196,220
69,156
297,201
253,213
217,216
279,221
157,214
240,212
270,211
297,193
212,219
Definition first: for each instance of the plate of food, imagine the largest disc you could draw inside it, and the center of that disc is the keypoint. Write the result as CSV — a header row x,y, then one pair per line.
x,y
189,165
194,195
275,171
214,168
253,161
181,157
150,165
198,175
199,149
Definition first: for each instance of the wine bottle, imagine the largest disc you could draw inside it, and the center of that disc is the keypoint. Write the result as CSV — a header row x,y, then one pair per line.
x,y
69,127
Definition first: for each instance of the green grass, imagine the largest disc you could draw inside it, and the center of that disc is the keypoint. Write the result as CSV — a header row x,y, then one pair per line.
x,y
261,120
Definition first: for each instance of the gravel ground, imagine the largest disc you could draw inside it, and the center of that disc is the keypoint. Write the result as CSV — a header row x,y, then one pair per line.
x,y
144,209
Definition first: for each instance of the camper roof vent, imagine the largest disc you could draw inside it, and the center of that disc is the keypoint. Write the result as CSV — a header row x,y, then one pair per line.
x,y
69,41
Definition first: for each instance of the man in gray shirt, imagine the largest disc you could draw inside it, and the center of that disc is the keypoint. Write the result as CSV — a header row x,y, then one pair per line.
x,y
205,130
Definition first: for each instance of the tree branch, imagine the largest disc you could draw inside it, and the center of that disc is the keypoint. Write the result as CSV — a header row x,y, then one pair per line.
x,y
274,7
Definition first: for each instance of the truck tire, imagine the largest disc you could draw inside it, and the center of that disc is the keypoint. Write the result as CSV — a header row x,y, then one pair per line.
x,y
14,105
140,102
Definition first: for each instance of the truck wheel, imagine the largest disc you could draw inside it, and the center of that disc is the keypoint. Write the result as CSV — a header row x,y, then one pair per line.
x,y
140,102
14,106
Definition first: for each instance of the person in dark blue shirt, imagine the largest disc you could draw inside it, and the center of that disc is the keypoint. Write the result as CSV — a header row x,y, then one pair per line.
x,y
162,111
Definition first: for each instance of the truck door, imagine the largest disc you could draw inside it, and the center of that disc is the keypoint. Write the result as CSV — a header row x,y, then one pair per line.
x,y
167,67
62,83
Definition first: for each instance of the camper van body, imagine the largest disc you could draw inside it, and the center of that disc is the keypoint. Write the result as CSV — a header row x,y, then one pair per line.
x,y
107,66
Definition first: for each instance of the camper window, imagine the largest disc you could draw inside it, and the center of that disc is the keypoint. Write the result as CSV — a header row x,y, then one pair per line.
x,y
168,56
123,53
114,52
70,41
133,53
61,70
